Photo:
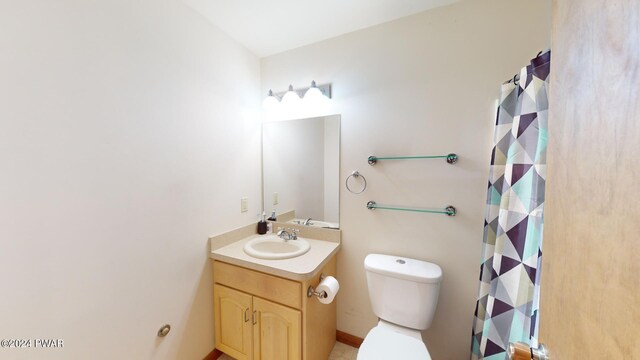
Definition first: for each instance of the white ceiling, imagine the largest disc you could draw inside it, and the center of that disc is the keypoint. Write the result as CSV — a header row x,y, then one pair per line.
x,y
267,27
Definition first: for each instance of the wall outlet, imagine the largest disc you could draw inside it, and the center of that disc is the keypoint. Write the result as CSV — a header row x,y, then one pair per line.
x,y
244,205
275,198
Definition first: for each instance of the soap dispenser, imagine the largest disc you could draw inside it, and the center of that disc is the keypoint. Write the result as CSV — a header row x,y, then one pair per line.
x,y
273,215
262,224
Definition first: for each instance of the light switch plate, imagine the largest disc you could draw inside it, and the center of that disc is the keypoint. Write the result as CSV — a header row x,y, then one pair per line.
x,y
275,198
244,205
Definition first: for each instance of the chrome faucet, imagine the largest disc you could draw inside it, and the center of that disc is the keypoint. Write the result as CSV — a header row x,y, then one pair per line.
x,y
288,234
307,222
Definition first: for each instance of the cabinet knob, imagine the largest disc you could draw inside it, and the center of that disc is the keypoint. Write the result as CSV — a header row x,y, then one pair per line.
x,y
246,315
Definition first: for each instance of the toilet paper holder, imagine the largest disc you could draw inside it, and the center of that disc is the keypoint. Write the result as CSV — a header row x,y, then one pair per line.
x,y
311,291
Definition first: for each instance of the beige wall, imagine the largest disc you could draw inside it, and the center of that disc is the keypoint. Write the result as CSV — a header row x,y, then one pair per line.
x,y
421,85
129,131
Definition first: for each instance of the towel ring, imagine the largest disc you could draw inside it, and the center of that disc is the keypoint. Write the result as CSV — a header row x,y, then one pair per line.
x,y
356,175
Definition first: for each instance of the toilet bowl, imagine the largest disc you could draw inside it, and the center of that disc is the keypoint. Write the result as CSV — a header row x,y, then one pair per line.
x,y
403,294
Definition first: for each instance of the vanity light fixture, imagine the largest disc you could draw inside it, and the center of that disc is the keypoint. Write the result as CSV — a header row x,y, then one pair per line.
x,y
298,103
313,92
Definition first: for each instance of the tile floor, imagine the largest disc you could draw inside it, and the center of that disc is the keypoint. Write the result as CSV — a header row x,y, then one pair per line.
x,y
343,352
339,352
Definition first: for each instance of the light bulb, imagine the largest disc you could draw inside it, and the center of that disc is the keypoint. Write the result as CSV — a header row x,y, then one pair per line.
x,y
313,93
290,97
270,102
315,100
291,105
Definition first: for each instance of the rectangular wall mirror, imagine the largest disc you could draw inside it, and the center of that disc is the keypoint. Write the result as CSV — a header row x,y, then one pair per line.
x,y
301,170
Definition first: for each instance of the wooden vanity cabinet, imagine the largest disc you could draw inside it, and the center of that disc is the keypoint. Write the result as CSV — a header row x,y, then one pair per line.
x,y
277,333
260,316
233,324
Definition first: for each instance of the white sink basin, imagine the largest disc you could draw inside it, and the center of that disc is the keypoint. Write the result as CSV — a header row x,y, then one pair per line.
x,y
315,223
271,247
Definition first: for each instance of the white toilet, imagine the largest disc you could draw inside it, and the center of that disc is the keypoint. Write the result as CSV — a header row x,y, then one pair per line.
x,y
404,295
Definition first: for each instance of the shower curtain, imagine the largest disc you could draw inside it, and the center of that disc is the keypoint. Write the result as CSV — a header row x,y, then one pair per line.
x,y
507,305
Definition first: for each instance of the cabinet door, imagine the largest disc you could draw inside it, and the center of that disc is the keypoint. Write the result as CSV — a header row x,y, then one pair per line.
x,y
233,322
277,332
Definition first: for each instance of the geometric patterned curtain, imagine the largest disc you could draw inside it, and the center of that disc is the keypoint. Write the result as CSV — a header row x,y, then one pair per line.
x,y
507,305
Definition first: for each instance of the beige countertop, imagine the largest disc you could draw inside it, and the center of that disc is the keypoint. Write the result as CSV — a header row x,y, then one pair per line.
x,y
298,268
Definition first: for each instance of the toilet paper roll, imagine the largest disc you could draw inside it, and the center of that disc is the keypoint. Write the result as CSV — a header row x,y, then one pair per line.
x,y
330,286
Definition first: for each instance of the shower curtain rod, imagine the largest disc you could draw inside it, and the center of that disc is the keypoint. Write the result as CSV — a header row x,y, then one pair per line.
x,y
516,78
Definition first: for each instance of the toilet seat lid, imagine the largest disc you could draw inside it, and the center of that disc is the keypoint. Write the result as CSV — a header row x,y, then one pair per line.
x,y
381,343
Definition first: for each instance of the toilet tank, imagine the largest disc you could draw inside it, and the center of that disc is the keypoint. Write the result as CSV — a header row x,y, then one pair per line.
x,y
403,291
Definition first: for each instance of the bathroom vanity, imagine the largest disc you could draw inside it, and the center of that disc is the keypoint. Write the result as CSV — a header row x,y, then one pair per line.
x,y
261,307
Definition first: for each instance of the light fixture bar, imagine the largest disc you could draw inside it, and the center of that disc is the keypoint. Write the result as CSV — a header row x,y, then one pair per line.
x,y
324,88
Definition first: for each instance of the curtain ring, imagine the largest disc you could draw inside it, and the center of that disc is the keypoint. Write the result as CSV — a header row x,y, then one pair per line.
x,y
356,175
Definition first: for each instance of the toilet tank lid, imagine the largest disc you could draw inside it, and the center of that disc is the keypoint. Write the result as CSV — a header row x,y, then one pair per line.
x,y
403,268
